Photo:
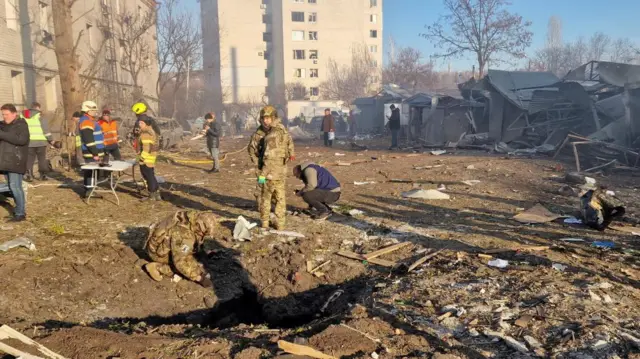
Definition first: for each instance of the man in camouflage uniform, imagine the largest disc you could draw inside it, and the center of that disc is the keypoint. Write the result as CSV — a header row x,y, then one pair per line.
x,y
173,242
270,148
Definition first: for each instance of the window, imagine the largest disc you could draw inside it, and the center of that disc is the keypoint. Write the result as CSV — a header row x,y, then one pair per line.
x,y
313,16
374,63
11,12
298,73
373,49
267,55
314,91
297,16
17,85
313,35
266,73
312,1
298,54
373,3
373,33
266,19
297,35
266,36
298,1
44,17
313,73
313,54
373,19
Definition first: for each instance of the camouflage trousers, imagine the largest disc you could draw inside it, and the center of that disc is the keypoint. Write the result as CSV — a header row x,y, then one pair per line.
x,y
273,190
180,257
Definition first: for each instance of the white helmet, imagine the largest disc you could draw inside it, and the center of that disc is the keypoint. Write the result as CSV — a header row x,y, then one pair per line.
x,y
89,106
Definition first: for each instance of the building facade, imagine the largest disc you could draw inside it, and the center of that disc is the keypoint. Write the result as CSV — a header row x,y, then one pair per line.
x,y
28,65
256,48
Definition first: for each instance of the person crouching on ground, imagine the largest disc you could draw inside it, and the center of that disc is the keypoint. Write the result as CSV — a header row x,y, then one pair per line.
x,y
148,150
213,131
321,188
14,149
110,132
173,242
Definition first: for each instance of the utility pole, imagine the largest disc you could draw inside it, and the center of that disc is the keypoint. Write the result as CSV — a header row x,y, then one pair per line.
x,y
188,77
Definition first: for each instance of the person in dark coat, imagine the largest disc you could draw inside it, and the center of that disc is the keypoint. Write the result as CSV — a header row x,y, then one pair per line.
x,y
320,190
14,151
328,127
394,126
213,131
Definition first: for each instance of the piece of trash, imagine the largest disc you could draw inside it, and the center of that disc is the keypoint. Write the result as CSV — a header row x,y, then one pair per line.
x,y
287,233
536,214
18,242
355,212
355,183
425,194
603,245
471,167
559,267
438,153
343,164
339,154
176,278
498,263
375,355
471,182
572,220
242,230
571,239
589,180
611,193
442,187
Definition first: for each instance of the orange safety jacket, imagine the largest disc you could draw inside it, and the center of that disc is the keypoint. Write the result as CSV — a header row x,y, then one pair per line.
x,y
110,131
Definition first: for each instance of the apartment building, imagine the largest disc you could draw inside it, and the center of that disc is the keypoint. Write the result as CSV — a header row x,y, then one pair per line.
x,y
255,48
28,65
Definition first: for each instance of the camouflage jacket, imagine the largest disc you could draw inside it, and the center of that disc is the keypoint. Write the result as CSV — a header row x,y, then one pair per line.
x,y
271,151
159,240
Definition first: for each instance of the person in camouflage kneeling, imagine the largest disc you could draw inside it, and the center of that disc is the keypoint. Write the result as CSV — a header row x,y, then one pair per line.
x,y
271,148
173,242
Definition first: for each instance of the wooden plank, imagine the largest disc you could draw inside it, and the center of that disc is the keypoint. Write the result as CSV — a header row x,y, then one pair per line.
x,y
524,248
7,332
320,266
4,348
358,257
423,259
386,250
298,349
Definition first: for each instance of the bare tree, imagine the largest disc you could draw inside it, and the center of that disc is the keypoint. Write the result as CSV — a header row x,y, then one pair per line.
x,y
483,28
622,51
409,71
353,80
295,91
598,46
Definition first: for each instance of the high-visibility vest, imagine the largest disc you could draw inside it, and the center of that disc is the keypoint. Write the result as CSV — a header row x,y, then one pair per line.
x,y
110,132
87,122
35,128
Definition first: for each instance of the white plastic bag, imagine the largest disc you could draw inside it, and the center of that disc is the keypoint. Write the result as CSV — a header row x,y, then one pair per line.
x,y
332,136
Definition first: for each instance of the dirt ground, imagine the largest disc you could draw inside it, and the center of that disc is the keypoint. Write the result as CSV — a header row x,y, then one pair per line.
x,y
82,292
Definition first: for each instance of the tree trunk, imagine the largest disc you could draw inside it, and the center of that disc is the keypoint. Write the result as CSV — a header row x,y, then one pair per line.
x,y
68,62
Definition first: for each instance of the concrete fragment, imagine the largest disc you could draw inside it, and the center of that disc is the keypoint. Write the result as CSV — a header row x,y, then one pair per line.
x,y
600,344
511,342
532,342
430,194
594,296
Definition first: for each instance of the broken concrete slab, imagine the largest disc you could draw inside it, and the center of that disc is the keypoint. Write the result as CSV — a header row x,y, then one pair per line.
x,y
430,194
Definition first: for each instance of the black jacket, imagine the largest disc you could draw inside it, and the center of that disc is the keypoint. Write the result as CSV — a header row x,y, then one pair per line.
x,y
14,146
394,120
213,134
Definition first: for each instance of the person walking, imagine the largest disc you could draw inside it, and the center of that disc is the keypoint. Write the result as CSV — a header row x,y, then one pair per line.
x,y
394,126
329,128
14,151
148,150
39,139
271,147
92,142
110,131
321,188
213,131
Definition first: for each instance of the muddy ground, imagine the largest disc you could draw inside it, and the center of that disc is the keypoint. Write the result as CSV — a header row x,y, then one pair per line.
x,y
82,292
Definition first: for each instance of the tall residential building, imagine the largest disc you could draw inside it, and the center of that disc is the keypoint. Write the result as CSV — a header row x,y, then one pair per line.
x,y
28,65
256,48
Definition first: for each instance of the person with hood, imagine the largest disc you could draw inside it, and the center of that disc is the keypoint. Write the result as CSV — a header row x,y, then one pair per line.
x,y
110,131
270,148
147,153
92,141
39,139
14,150
328,128
172,243
320,190
213,131
394,126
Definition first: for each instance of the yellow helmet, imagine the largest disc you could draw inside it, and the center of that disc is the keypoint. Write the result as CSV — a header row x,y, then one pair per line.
x,y
139,108
269,111
89,106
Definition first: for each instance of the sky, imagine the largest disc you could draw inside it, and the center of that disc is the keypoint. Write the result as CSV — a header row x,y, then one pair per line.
x,y
404,20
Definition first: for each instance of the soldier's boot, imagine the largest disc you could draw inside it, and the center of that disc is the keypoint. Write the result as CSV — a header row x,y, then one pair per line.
x,y
279,225
265,225
153,271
